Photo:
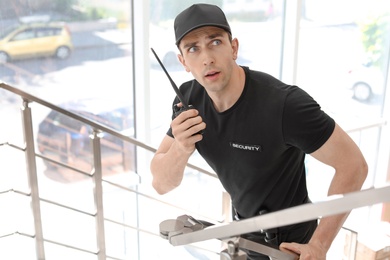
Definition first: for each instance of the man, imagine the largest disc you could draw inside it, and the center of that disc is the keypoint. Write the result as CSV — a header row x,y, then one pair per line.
x,y
254,131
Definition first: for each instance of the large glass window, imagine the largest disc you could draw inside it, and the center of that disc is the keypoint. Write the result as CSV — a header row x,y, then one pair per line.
x,y
74,54
78,54
343,63
83,41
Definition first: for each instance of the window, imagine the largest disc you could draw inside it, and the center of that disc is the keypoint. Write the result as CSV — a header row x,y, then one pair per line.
x,y
24,35
95,80
341,60
44,32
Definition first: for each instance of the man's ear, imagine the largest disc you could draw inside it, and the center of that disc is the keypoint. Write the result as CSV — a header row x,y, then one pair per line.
x,y
183,62
235,45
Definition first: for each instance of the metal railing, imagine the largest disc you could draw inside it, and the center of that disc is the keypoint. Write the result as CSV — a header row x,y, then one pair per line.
x,y
31,167
31,156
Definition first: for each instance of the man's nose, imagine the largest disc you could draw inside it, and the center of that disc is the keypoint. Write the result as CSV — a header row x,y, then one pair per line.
x,y
207,57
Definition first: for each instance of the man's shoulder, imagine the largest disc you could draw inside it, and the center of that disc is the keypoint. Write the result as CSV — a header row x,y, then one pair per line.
x,y
262,78
257,73
266,83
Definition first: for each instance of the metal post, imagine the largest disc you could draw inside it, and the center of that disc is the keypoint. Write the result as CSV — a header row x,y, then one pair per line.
x,y
351,249
98,195
33,178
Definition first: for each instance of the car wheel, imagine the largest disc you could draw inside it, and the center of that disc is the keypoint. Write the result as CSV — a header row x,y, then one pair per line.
x,y
3,57
62,52
362,91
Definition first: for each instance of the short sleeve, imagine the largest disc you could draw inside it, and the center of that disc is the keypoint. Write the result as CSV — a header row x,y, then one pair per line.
x,y
305,124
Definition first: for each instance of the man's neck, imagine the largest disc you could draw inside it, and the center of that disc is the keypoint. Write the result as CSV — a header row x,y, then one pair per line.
x,y
224,101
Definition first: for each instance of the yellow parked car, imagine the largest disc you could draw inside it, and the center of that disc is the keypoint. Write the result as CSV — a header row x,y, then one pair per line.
x,y
35,40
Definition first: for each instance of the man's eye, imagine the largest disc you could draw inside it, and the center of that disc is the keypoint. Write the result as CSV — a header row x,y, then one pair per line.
x,y
192,49
216,42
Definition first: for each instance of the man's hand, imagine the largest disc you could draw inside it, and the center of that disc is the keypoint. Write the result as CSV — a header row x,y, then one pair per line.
x,y
185,128
305,251
170,159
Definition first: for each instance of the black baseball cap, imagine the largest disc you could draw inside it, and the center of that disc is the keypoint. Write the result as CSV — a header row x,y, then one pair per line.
x,y
199,15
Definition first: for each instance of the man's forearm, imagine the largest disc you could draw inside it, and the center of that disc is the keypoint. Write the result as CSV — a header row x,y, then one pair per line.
x,y
168,169
327,231
329,227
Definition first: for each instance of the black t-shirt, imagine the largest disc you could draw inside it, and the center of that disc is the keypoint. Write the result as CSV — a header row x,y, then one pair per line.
x,y
257,147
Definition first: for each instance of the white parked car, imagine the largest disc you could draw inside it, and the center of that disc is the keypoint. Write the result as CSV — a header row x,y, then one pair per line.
x,y
162,40
365,81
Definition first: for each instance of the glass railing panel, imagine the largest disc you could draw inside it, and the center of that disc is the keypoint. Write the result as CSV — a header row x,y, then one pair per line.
x,y
63,139
66,140
118,159
154,247
68,227
120,205
198,193
121,242
13,169
15,214
152,212
17,247
59,252
75,192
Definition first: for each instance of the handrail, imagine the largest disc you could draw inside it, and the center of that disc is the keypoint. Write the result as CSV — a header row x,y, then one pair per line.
x,y
92,123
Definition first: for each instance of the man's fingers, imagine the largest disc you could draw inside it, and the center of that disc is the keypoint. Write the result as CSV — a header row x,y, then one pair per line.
x,y
290,247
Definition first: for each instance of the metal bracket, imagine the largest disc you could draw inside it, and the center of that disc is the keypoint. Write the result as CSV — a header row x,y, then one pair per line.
x,y
186,224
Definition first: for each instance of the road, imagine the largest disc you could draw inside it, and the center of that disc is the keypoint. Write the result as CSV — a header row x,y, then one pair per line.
x,y
88,47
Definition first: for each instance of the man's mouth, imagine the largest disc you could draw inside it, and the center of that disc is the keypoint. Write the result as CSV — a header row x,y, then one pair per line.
x,y
211,74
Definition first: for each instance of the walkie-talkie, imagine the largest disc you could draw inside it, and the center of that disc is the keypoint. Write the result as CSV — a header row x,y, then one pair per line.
x,y
185,106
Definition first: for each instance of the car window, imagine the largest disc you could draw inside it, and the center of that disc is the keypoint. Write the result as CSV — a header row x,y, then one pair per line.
x,y
44,32
56,31
47,31
24,35
7,31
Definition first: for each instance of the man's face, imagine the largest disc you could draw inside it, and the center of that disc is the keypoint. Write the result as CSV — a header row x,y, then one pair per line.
x,y
209,55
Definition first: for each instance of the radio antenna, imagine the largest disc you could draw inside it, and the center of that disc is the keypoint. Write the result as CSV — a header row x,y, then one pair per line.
x,y
175,88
